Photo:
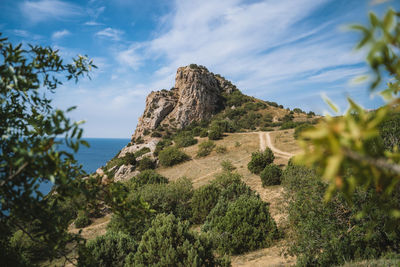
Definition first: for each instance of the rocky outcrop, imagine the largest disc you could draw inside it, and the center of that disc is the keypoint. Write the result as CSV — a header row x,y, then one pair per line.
x,y
197,95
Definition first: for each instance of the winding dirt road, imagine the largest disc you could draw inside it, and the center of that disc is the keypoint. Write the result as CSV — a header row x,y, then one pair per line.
x,y
265,141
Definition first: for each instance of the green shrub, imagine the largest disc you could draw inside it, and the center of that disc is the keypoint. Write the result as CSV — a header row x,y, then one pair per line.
x,y
156,134
141,152
203,201
221,149
169,242
298,110
237,144
288,125
185,139
146,163
168,198
301,128
205,148
326,234
259,160
148,177
215,133
196,131
227,186
107,250
82,220
133,223
161,145
204,133
227,166
271,175
171,156
241,225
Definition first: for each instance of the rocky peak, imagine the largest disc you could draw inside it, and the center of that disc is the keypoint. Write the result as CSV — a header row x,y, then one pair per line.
x,y
197,95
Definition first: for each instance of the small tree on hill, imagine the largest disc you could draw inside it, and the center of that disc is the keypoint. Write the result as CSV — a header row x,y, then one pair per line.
x,y
259,160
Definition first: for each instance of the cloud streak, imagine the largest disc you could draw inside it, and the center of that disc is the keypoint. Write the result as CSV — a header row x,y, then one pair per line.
x,y
110,33
39,11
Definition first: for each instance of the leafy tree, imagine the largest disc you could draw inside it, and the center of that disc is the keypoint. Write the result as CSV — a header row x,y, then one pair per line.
x,y
29,126
32,130
339,145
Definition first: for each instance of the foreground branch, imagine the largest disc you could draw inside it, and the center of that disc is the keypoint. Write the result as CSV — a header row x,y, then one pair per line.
x,y
379,163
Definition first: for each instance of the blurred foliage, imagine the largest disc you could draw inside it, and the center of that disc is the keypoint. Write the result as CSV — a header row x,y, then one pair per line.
x,y
347,150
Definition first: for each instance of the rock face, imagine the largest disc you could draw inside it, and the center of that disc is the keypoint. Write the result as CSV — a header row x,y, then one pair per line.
x,y
197,95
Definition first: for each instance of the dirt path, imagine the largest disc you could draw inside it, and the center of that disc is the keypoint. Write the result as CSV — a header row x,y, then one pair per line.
x,y
274,149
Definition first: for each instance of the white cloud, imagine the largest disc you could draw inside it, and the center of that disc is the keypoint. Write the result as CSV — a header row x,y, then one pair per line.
x,y
110,33
93,23
60,34
37,11
26,35
131,57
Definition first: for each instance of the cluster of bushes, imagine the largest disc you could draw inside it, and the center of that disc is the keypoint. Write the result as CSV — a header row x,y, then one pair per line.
x,y
259,160
262,163
333,233
236,220
171,156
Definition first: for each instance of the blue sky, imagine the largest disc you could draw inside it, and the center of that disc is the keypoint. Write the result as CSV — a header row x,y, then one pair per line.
x,y
288,51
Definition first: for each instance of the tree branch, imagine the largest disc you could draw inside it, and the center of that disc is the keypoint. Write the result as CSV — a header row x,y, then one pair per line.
x,y
380,163
23,166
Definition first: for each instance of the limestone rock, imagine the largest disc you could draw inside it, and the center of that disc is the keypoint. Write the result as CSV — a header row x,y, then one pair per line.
x,y
124,172
197,95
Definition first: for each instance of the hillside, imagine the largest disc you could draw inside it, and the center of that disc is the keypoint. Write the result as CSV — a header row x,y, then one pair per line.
x,y
200,103
204,108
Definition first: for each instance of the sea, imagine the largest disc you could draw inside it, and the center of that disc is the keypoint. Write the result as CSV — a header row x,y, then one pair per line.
x,y
100,151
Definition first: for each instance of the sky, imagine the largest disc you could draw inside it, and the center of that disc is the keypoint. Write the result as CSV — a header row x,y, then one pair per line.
x,y
292,52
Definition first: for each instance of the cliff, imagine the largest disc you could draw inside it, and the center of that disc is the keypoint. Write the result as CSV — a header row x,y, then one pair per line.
x,y
197,95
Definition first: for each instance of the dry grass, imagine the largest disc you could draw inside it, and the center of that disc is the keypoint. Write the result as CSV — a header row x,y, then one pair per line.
x,y
202,170
285,141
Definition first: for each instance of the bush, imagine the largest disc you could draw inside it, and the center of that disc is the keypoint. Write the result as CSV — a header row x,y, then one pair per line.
x,y
215,133
241,225
82,220
108,250
301,128
205,148
141,152
227,186
185,139
203,201
171,156
169,242
146,163
227,166
327,234
271,175
161,145
168,198
259,160
288,125
148,177
220,149
156,134
204,133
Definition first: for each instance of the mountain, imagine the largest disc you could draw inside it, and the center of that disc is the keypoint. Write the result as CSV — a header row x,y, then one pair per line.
x,y
200,104
197,95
